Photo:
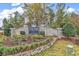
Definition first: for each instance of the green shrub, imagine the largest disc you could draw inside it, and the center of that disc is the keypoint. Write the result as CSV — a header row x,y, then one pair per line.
x,y
19,37
1,50
22,32
43,43
26,47
37,44
21,48
33,46
6,51
17,48
23,37
37,36
42,33
54,25
69,30
7,32
77,31
14,49
50,38
11,50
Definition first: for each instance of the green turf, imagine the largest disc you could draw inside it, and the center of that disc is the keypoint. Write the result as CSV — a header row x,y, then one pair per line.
x,y
58,49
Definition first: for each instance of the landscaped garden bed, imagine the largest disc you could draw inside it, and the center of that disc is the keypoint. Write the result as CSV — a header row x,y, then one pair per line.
x,y
38,49
20,40
16,49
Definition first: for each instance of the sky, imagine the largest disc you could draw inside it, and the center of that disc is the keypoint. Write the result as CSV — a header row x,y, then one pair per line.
x,y
10,8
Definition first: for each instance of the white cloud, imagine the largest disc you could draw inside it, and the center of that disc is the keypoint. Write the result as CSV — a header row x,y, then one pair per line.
x,y
15,4
5,13
20,10
70,10
1,23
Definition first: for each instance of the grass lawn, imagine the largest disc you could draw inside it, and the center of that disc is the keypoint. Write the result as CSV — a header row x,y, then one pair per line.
x,y
58,49
1,38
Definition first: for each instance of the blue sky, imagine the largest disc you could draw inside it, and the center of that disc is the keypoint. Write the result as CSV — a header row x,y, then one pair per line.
x,y
73,5
9,8
4,6
9,5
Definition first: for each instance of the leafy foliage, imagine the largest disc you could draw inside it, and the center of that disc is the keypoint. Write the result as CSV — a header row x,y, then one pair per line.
x,y
37,36
69,30
20,48
60,14
7,27
17,21
36,13
19,37
77,31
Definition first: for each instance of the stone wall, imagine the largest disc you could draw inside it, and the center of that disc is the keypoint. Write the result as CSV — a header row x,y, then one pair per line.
x,y
12,32
24,28
17,31
48,31
56,32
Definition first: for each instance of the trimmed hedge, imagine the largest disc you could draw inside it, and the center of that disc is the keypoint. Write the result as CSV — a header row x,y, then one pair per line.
x,y
37,36
19,37
21,48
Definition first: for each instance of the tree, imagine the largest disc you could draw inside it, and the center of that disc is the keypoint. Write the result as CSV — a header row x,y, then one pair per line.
x,y
51,16
7,27
69,30
74,19
60,14
17,21
36,13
